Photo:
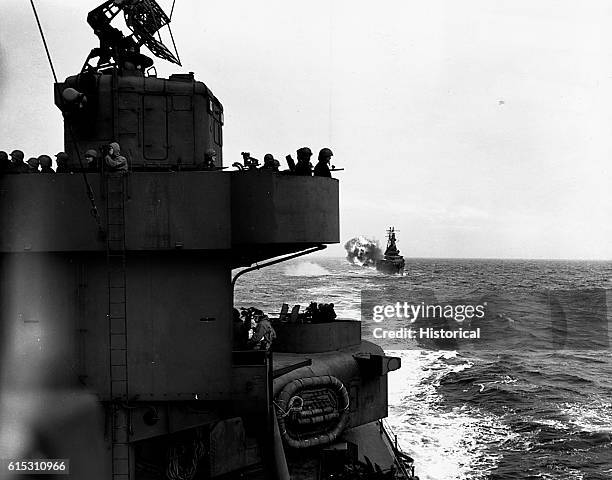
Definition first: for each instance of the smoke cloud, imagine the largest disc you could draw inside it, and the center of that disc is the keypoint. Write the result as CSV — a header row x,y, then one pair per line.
x,y
363,251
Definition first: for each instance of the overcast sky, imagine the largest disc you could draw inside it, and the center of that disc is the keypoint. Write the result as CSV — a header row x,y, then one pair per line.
x,y
477,128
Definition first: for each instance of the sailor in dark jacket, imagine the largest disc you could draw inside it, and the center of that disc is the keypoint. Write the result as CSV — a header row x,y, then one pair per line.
x,y
5,163
91,161
33,165
210,160
62,162
303,166
270,163
45,164
321,169
18,166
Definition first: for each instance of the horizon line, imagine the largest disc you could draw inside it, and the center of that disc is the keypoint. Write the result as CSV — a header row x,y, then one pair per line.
x,y
542,259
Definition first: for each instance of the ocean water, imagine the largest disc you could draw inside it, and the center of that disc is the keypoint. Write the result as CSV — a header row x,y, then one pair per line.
x,y
520,408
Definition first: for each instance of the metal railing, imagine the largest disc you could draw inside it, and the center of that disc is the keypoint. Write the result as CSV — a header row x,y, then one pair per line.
x,y
405,467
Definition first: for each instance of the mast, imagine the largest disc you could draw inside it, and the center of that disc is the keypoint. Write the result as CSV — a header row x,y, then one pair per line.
x,y
391,242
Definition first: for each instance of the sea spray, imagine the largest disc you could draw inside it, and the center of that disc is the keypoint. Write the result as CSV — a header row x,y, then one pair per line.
x,y
306,269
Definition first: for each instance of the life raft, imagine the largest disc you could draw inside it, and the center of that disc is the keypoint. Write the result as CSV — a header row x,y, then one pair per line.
x,y
312,411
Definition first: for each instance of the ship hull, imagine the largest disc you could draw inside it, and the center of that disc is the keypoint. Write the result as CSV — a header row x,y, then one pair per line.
x,y
391,267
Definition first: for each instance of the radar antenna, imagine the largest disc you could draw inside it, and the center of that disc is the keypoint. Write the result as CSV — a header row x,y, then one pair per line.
x,y
145,19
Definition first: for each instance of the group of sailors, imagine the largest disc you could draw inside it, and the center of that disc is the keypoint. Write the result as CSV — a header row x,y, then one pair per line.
x,y
41,164
252,329
111,158
302,167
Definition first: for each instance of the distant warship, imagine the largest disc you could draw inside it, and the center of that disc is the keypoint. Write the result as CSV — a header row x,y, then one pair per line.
x,y
392,262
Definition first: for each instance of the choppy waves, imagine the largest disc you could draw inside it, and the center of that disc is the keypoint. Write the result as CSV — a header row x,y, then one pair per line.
x,y
556,415
533,412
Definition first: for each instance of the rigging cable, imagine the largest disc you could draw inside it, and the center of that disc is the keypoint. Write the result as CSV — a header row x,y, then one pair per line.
x,y
44,40
174,46
94,209
172,36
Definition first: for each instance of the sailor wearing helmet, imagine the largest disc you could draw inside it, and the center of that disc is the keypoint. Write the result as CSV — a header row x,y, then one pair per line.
x,y
304,167
45,164
61,158
270,163
210,160
321,169
91,161
18,165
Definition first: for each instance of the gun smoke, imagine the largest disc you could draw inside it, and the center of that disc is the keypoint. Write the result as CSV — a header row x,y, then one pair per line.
x,y
363,251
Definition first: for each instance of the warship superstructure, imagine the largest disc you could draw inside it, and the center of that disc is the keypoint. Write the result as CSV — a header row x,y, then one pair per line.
x,y
392,262
117,296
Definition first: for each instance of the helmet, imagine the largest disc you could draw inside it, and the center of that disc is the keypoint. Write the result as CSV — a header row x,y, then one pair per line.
x,y
325,152
115,146
33,162
91,153
17,154
211,152
61,155
304,151
268,157
44,160
71,95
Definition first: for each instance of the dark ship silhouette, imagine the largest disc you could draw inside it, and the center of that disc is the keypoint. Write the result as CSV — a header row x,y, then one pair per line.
x,y
392,262
117,296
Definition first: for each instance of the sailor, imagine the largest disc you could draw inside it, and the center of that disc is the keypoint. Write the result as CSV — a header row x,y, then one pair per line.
x,y
263,335
303,166
5,163
113,159
241,331
270,163
328,311
45,164
33,164
91,161
210,160
18,165
61,158
321,169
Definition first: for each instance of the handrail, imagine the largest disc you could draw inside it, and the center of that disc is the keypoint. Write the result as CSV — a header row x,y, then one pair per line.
x,y
399,461
278,260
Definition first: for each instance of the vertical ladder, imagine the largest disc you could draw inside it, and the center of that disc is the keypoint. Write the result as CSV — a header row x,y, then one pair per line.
x,y
117,318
